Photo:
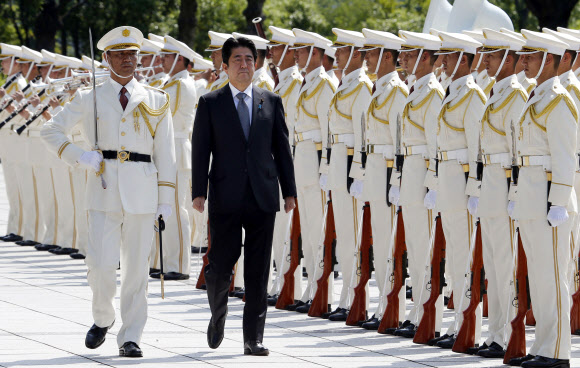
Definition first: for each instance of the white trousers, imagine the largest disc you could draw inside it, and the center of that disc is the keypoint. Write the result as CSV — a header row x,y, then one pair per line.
x,y
46,205
126,238
548,255
28,190
64,201
79,186
7,153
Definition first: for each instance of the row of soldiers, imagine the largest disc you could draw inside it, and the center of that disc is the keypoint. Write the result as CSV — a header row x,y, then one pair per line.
x,y
405,149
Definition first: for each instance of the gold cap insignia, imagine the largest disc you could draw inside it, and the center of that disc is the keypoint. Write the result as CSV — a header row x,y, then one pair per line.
x,y
126,33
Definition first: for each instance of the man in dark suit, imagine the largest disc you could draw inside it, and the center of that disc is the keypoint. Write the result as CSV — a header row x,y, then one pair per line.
x,y
242,128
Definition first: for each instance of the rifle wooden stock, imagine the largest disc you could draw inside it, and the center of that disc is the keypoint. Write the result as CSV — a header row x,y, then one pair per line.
x,y
466,336
517,344
530,319
358,310
286,296
391,316
450,304
319,304
575,312
426,328
201,278
485,309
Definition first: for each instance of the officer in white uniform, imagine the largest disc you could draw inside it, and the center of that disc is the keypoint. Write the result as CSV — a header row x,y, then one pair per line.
x,y
216,43
150,58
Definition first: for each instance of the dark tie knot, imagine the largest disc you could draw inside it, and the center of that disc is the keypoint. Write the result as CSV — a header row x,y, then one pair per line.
x,y
123,91
241,96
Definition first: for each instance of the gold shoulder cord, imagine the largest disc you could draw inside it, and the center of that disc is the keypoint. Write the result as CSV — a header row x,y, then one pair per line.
x,y
573,89
146,110
265,85
547,110
304,96
448,108
491,109
221,85
376,106
340,97
290,89
177,94
411,107
489,87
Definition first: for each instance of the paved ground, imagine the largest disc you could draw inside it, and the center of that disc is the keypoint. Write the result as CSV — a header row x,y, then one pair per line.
x,y
45,312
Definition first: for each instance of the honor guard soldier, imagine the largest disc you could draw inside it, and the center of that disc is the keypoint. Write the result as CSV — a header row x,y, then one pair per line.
x,y
150,58
344,174
136,181
528,83
457,148
574,33
387,103
479,71
505,105
288,88
261,78
216,43
329,63
199,65
310,134
547,152
181,90
8,147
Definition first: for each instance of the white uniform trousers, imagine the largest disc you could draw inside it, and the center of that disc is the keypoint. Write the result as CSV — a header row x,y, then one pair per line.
x,y
46,205
79,185
573,268
548,255
311,204
7,152
61,181
126,238
27,188
177,235
497,242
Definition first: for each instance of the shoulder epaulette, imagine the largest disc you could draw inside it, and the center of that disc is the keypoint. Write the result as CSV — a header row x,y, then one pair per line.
x,y
147,111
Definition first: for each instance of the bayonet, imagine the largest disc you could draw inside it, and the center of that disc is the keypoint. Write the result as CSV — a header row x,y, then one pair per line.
x,y
398,152
515,167
94,80
363,146
479,171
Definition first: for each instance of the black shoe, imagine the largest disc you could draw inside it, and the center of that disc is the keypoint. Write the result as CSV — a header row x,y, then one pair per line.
x,y
543,362
445,300
215,332
11,238
272,300
305,307
476,349
493,351
96,336
292,307
233,293
255,348
577,332
408,331
44,247
446,343
240,294
360,323
339,316
409,293
371,324
196,250
434,341
153,270
77,256
335,275
328,314
518,361
63,251
54,249
130,350
392,330
170,276
26,243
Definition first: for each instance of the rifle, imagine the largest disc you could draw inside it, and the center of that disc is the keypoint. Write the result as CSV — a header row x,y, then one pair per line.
x,y
466,336
160,229
26,88
517,344
286,295
319,304
260,31
391,316
34,117
10,81
201,279
426,328
358,311
575,310
16,112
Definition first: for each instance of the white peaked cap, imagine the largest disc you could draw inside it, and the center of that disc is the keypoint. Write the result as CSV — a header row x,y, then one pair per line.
x,y
69,61
437,15
104,64
434,32
416,40
572,41
330,51
173,46
156,38
515,34
201,65
476,35
47,57
571,32
542,42
7,50
30,55
217,40
86,63
261,43
380,39
281,36
348,38
495,41
151,47
307,39
457,42
121,38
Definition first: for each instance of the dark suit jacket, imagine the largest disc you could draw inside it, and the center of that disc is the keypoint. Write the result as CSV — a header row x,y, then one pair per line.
x,y
262,160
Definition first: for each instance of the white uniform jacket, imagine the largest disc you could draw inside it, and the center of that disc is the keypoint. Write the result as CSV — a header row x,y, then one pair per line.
x,y
288,89
528,83
157,80
261,79
144,127
572,85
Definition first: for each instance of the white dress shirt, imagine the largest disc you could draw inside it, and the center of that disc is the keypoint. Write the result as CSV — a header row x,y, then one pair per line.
x,y
248,99
129,87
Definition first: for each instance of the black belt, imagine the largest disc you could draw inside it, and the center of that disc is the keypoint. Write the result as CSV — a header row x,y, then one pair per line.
x,y
126,156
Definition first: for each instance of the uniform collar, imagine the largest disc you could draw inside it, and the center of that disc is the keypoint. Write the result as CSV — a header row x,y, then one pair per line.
x,y
567,78
129,86
547,85
347,79
181,75
382,82
287,72
423,81
313,74
500,86
258,73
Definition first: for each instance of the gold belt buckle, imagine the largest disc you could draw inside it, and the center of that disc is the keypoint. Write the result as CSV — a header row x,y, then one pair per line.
x,y
123,156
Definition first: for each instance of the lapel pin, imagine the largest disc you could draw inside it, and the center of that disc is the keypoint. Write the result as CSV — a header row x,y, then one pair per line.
x,y
260,105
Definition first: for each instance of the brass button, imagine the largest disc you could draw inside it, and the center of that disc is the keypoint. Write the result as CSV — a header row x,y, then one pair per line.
x,y
122,147
123,120
123,134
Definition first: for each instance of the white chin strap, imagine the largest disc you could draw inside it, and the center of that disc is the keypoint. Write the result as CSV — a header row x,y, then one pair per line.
x,y
456,65
479,62
114,72
29,70
48,73
502,63
309,57
542,66
417,62
349,58
283,55
379,62
173,66
11,66
152,71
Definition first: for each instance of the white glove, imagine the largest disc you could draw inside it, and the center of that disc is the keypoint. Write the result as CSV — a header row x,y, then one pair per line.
x,y
510,208
92,160
394,194
557,215
472,205
164,210
356,188
323,181
430,199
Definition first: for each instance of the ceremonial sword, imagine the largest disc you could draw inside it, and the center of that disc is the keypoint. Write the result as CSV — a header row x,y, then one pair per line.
x,y
102,166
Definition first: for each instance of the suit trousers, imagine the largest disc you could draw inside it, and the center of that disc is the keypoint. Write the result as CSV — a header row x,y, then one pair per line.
x,y
226,240
126,238
548,255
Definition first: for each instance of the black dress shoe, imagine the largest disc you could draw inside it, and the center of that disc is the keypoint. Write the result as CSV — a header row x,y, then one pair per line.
x,y
215,332
408,331
153,270
292,307
339,316
543,362
493,351
77,256
54,249
255,348
240,293
26,243
328,314
476,349
11,238
63,251
445,300
409,293
446,343
96,336
434,341
196,250
233,293
335,275
305,307
360,323
170,276
518,361
372,324
272,300
130,350
44,247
